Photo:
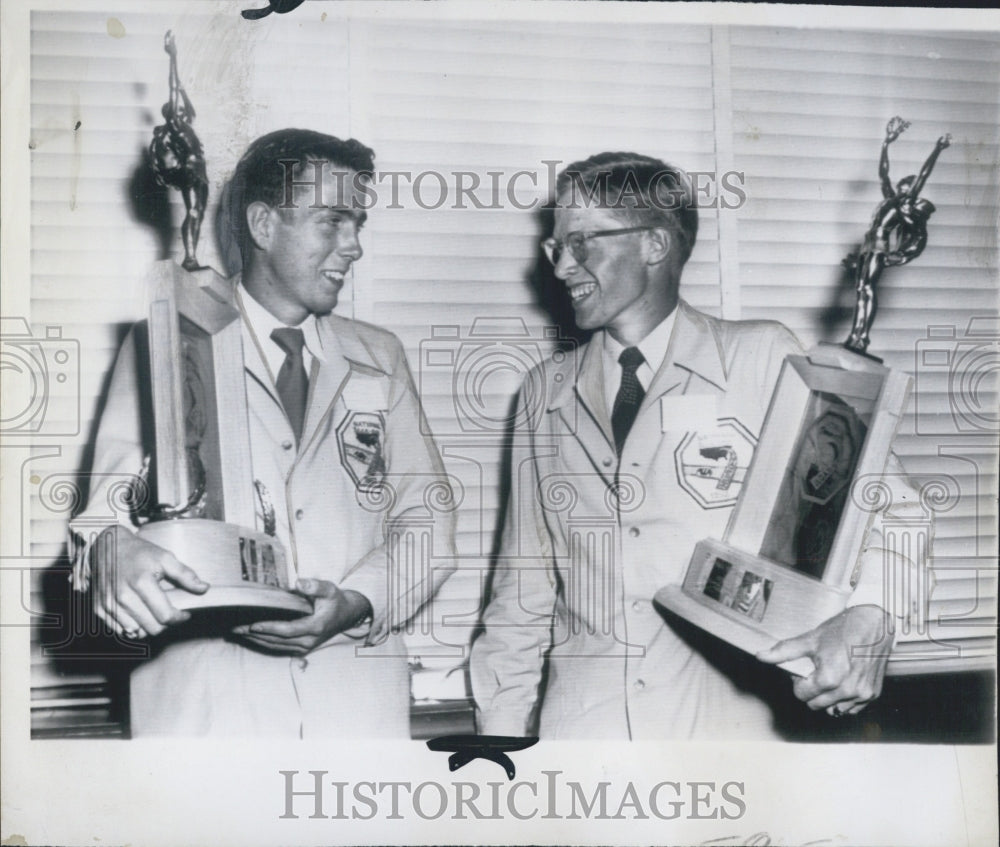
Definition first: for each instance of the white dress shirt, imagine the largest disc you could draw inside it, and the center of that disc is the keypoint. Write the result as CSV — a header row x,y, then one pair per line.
x,y
259,323
654,350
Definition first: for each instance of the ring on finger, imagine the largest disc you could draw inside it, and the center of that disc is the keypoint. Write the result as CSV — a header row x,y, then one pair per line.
x,y
836,712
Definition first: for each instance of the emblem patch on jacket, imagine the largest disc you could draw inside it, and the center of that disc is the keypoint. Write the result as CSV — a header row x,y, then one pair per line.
x,y
361,441
712,463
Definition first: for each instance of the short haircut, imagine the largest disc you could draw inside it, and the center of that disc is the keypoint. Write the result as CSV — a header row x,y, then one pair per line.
x,y
260,174
646,190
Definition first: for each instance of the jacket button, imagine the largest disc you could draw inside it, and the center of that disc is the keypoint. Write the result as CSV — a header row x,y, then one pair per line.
x,y
634,532
608,462
640,684
299,514
638,606
302,662
286,445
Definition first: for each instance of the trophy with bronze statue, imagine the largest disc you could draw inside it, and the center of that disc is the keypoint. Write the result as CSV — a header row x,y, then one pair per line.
x,y
204,499
790,556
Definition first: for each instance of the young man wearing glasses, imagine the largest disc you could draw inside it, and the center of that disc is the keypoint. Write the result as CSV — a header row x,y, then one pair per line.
x,y
601,514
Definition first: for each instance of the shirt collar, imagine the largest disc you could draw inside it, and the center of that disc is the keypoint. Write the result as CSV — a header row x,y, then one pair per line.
x,y
263,323
653,347
697,347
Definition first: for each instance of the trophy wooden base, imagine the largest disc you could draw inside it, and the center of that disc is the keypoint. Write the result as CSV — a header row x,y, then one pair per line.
x,y
752,641
247,570
246,602
750,602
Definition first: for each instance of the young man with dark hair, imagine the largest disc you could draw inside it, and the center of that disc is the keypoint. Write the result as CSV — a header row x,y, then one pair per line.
x,y
600,517
333,415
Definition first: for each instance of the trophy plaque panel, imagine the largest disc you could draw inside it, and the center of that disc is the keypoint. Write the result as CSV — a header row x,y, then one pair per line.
x,y
790,555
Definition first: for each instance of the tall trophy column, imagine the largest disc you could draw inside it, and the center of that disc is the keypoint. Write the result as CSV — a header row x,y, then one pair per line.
x,y
207,508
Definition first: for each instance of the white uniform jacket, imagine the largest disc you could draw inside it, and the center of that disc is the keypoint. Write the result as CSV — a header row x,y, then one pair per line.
x,y
588,541
347,686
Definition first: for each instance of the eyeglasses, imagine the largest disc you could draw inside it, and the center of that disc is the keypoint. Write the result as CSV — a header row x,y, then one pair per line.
x,y
577,242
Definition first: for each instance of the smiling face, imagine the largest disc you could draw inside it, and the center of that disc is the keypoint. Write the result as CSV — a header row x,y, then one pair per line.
x,y
303,253
625,284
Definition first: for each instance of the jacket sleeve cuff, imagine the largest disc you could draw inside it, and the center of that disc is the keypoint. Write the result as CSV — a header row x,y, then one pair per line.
x,y
80,547
371,582
84,535
501,723
361,630
891,585
893,582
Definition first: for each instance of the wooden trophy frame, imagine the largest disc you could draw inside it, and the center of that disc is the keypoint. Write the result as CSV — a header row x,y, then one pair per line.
x,y
201,472
790,555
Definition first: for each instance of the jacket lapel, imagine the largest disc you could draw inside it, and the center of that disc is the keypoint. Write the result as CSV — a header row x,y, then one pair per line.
x,y
590,389
343,350
694,357
693,349
579,398
253,357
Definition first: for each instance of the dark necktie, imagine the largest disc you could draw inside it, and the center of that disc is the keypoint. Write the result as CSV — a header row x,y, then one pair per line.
x,y
292,382
629,396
